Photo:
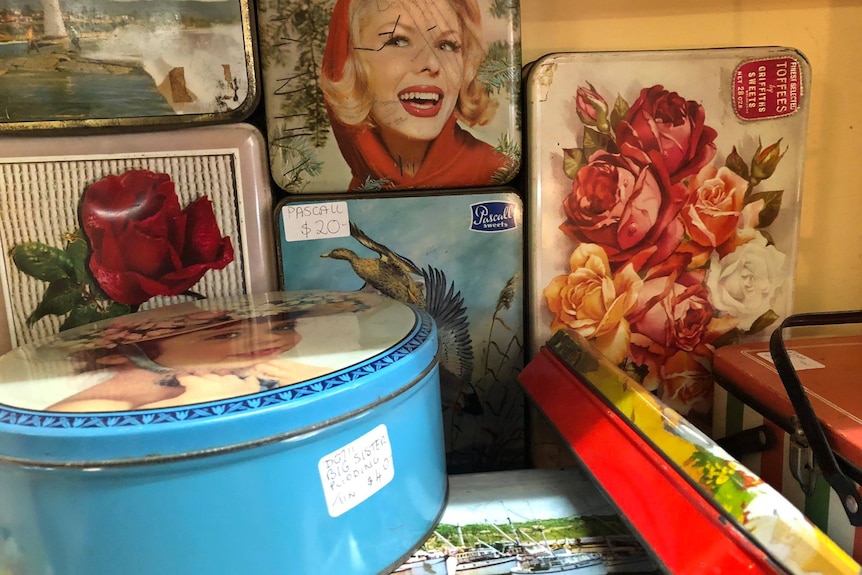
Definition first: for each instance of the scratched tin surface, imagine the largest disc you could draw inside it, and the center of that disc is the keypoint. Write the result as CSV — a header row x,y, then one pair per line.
x,y
458,255
367,95
89,63
664,196
97,226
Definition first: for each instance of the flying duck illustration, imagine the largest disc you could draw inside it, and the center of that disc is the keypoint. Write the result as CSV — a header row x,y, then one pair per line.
x,y
393,275
390,274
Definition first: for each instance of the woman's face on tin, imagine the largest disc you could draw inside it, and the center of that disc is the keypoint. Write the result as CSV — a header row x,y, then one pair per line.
x,y
411,53
238,344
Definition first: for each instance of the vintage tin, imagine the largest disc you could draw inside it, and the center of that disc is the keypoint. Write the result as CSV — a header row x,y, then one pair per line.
x,y
527,519
698,508
92,64
755,417
397,95
658,181
459,256
79,244
287,432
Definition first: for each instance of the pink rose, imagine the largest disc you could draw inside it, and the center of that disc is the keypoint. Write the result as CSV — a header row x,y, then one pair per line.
x,y
663,127
686,383
628,210
673,314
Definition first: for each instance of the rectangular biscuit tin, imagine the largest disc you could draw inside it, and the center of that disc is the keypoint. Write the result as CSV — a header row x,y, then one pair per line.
x,y
362,95
95,226
130,65
457,255
750,398
286,432
664,192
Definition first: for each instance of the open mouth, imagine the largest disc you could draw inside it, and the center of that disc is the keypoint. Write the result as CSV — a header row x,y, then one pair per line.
x,y
422,102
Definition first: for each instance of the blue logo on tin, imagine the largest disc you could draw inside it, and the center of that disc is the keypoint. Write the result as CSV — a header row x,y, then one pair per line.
x,y
495,216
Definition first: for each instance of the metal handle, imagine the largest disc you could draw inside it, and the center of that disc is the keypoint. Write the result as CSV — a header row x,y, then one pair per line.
x,y
846,489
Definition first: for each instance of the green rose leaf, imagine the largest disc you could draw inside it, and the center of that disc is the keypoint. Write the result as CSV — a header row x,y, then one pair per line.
x,y
41,261
728,338
85,313
79,252
736,164
573,160
621,108
763,322
595,141
61,296
772,205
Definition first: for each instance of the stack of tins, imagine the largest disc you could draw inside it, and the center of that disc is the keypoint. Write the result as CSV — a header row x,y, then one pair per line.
x,y
764,422
288,432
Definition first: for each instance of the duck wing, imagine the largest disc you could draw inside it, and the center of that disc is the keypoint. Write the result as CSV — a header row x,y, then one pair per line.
x,y
447,308
386,254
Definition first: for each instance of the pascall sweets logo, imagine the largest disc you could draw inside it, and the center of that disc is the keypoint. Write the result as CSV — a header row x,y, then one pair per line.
x,y
494,216
767,88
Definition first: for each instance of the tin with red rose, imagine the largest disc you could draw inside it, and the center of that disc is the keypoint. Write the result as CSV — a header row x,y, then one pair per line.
x,y
664,205
130,222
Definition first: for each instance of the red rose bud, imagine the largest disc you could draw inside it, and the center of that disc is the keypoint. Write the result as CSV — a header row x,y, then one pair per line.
x,y
592,108
765,161
143,245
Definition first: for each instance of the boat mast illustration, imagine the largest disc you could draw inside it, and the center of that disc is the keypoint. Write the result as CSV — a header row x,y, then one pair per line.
x,y
54,26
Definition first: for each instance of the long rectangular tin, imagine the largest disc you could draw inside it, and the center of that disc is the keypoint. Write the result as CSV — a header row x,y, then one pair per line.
x,y
337,74
457,254
92,64
43,180
664,199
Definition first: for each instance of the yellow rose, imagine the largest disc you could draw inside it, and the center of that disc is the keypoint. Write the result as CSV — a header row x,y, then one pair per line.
x,y
594,303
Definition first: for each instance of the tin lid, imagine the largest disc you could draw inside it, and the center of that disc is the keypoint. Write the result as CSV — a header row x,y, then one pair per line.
x,y
207,375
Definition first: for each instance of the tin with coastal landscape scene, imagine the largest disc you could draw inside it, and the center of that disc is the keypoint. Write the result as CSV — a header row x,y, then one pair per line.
x,y
459,256
103,225
146,63
363,95
664,193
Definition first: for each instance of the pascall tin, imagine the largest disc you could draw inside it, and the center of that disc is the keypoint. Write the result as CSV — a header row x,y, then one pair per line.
x,y
97,226
96,65
459,257
664,194
287,432
365,95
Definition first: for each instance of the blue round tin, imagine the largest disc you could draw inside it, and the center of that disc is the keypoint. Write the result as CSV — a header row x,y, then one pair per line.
x,y
291,432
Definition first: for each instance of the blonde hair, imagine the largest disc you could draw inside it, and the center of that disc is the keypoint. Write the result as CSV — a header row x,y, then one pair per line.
x,y
350,100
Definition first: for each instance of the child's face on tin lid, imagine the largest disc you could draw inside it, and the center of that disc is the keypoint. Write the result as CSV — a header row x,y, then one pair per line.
x,y
411,53
241,343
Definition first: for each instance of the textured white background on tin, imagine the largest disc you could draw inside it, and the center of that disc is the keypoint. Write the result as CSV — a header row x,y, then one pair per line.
x,y
39,203
355,472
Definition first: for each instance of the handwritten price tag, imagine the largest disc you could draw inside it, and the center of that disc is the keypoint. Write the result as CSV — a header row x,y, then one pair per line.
x,y
315,221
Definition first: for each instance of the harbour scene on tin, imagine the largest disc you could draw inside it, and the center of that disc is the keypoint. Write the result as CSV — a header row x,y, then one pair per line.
x,y
550,521
98,59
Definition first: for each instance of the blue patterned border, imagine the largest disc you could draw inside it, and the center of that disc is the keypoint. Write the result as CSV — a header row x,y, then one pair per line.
x,y
42,419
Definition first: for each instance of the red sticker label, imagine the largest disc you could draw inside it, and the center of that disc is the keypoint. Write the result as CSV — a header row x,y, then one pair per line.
x,y
769,88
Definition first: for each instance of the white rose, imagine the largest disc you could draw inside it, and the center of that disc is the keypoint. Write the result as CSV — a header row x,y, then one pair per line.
x,y
744,283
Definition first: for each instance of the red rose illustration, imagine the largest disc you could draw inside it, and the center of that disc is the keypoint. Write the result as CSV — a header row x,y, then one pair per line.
x,y
663,127
629,211
143,244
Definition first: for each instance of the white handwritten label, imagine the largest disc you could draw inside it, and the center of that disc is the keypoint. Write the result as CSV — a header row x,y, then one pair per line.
x,y
800,362
315,221
357,471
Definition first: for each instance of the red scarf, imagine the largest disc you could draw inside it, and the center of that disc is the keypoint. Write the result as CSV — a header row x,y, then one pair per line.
x,y
455,159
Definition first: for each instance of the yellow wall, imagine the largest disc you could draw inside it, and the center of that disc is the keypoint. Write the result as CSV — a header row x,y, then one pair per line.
x,y
829,269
